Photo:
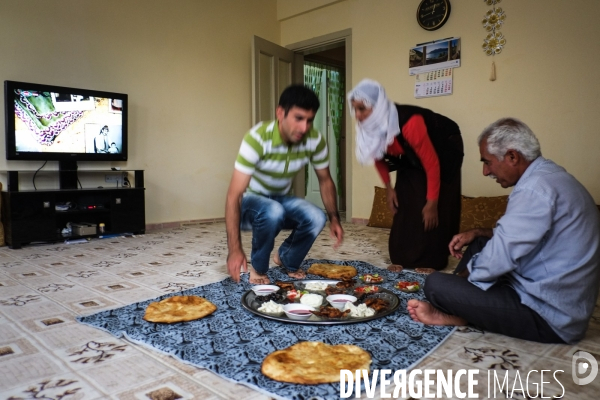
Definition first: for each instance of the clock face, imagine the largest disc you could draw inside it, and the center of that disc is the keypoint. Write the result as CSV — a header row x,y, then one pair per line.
x,y
433,14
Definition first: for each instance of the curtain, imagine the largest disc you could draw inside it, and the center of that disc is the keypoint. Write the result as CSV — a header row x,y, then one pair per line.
x,y
312,76
313,73
335,106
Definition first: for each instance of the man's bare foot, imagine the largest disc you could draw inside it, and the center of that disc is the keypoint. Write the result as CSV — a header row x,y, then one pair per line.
x,y
425,270
395,268
424,312
299,274
256,278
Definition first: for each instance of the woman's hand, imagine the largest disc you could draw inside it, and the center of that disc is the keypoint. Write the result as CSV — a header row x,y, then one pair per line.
x,y
392,200
430,215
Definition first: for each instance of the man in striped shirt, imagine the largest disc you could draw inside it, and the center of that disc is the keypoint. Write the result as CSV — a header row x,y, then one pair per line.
x,y
270,156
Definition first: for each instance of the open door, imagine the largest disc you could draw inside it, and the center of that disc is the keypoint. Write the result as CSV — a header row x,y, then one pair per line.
x,y
273,69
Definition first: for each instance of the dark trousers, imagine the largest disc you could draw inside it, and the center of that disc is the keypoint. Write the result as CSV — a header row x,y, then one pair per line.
x,y
497,309
409,244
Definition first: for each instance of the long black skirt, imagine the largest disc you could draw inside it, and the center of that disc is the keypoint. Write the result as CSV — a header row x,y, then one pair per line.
x,y
409,245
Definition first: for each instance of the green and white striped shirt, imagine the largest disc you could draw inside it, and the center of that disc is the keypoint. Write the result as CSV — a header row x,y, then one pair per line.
x,y
272,163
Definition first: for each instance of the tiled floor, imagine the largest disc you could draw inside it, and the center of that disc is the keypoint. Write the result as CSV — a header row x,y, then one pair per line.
x,y
45,353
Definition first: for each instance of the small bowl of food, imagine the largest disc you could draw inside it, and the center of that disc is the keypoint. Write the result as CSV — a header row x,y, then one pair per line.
x,y
339,300
311,300
298,311
366,289
408,286
371,278
294,295
271,308
263,290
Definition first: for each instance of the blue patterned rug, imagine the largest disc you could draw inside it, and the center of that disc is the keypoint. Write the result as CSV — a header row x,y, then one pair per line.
x,y
232,342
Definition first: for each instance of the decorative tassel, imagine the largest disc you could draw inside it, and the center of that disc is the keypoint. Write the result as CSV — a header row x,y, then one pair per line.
x,y
493,74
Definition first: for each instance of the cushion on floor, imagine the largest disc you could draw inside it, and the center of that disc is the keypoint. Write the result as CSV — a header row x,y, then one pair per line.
x,y
381,217
481,212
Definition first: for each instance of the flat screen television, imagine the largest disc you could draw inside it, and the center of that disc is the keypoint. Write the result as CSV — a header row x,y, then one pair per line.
x,y
45,122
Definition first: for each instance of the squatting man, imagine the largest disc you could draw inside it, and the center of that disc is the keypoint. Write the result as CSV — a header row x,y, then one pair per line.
x,y
259,199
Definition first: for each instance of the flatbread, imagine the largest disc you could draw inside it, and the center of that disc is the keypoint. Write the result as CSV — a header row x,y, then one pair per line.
x,y
311,363
333,271
179,309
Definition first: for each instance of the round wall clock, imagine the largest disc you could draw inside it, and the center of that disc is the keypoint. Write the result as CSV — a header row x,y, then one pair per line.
x,y
433,14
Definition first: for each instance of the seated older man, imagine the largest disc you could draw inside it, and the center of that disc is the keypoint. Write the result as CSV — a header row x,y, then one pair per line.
x,y
536,275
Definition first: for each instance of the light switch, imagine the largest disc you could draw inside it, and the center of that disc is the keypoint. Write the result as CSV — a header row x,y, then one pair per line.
x,y
118,200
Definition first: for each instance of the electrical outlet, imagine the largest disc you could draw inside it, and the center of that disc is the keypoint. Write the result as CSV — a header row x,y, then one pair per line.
x,y
118,178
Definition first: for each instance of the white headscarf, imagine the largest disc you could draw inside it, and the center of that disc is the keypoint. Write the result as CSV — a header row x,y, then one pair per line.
x,y
378,131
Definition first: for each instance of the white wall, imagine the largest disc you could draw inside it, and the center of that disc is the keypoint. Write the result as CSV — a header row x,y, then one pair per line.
x,y
545,76
185,65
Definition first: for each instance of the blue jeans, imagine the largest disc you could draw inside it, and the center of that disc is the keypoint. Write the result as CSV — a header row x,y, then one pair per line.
x,y
266,216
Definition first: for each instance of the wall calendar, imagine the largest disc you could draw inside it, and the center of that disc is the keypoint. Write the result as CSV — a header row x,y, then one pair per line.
x,y
434,83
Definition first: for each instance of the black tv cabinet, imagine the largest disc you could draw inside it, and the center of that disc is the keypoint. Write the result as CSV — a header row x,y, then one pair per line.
x,y
30,216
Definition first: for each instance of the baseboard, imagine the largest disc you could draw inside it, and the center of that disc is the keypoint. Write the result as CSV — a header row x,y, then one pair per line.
x,y
179,224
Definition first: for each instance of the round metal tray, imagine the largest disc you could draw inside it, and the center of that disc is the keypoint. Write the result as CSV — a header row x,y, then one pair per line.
x,y
250,304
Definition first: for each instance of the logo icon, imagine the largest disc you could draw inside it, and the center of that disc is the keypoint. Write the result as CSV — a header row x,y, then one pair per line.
x,y
583,364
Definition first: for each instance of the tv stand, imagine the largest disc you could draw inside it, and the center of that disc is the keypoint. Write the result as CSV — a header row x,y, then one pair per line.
x,y
67,174
31,216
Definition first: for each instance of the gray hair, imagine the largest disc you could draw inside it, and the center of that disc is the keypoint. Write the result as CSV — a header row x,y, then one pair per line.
x,y
510,134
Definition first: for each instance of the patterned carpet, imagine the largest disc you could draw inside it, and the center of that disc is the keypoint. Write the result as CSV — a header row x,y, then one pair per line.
x,y
46,353
232,342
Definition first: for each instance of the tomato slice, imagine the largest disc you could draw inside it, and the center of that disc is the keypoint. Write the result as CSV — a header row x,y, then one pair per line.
x,y
404,285
371,278
366,289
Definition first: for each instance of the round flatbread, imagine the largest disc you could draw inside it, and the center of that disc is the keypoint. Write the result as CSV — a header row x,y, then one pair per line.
x,y
333,271
311,363
179,309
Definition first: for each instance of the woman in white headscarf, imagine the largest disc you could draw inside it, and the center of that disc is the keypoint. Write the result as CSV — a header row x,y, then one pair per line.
x,y
425,149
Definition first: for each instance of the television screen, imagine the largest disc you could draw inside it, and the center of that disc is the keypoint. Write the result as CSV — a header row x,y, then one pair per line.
x,y
46,122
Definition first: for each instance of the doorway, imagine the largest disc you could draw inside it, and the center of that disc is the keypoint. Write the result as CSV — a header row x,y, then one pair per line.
x,y
325,73
274,67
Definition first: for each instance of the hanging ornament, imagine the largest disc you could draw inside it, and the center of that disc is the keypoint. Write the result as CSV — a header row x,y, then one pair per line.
x,y
493,19
494,42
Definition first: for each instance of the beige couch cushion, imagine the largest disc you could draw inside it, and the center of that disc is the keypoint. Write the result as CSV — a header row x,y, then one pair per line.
x,y
481,212
381,217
